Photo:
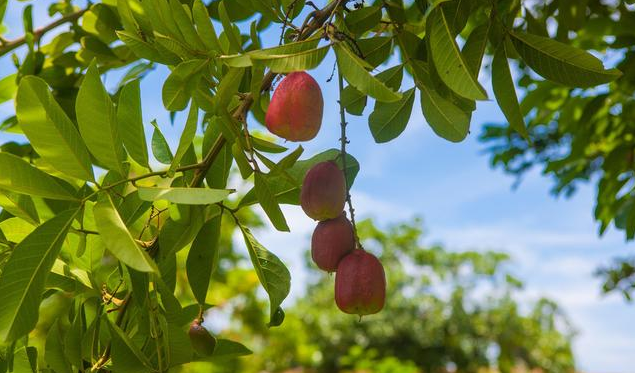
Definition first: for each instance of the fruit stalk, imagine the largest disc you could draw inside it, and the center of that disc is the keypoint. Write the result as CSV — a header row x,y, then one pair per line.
x,y
343,142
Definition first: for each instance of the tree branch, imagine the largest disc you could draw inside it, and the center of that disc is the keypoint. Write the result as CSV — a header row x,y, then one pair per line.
x,y
9,45
318,20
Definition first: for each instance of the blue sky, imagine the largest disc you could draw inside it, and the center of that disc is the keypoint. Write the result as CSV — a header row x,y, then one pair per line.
x,y
465,205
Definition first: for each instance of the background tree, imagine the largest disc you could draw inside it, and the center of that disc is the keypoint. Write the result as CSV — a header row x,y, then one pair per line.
x,y
581,135
89,218
445,309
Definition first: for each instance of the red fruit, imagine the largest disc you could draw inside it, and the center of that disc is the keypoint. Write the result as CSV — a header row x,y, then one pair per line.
x,y
332,240
360,284
203,342
323,191
295,110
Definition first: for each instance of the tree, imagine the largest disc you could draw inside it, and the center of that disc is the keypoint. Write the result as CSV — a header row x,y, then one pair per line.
x,y
445,309
581,135
110,240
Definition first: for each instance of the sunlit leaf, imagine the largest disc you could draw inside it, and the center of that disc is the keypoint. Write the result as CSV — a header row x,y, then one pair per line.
x,y
50,131
24,275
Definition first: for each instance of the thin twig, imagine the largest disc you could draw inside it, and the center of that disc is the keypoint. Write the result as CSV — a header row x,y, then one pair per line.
x,y
9,45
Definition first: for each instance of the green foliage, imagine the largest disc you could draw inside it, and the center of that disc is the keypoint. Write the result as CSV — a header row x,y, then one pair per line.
x,y
443,308
577,135
115,268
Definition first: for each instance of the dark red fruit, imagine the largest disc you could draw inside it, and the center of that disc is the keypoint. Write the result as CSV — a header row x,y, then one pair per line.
x,y
202,342
296,108
360,284
323,191
332,240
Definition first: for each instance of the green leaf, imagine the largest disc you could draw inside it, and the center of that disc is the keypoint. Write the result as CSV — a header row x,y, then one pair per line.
x,y
73,339
185,25
160,148
449,61
363,19
244,166
175,235
354,70
181,82
446,119
286,63
97,120
227,87
146,50
266,146
474,48
505,92
126,356
17,175
203,257
389,119
50,131
24,276
268,201
226,349
19,205
218,172
101,22
272,273
560,62
457,13
130,122
353,100
166,18
54,350
15,229
8,88
205,27
185,196
234,40
117,238
245,60
187,136
375,50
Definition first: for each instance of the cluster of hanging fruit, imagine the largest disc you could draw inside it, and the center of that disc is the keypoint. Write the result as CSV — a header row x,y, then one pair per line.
x,y
295,114
360,282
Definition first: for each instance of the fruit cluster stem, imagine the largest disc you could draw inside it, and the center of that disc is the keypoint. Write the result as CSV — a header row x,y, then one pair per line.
x,y
343,142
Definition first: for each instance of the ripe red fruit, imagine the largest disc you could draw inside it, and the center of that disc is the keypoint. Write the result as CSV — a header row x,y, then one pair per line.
x,y
202,342
331,241
323,191
295,110
360,284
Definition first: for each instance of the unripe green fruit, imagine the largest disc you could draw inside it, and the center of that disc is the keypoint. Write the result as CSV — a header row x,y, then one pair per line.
x,y
332,239
296,108
323,191
202,341
360,284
